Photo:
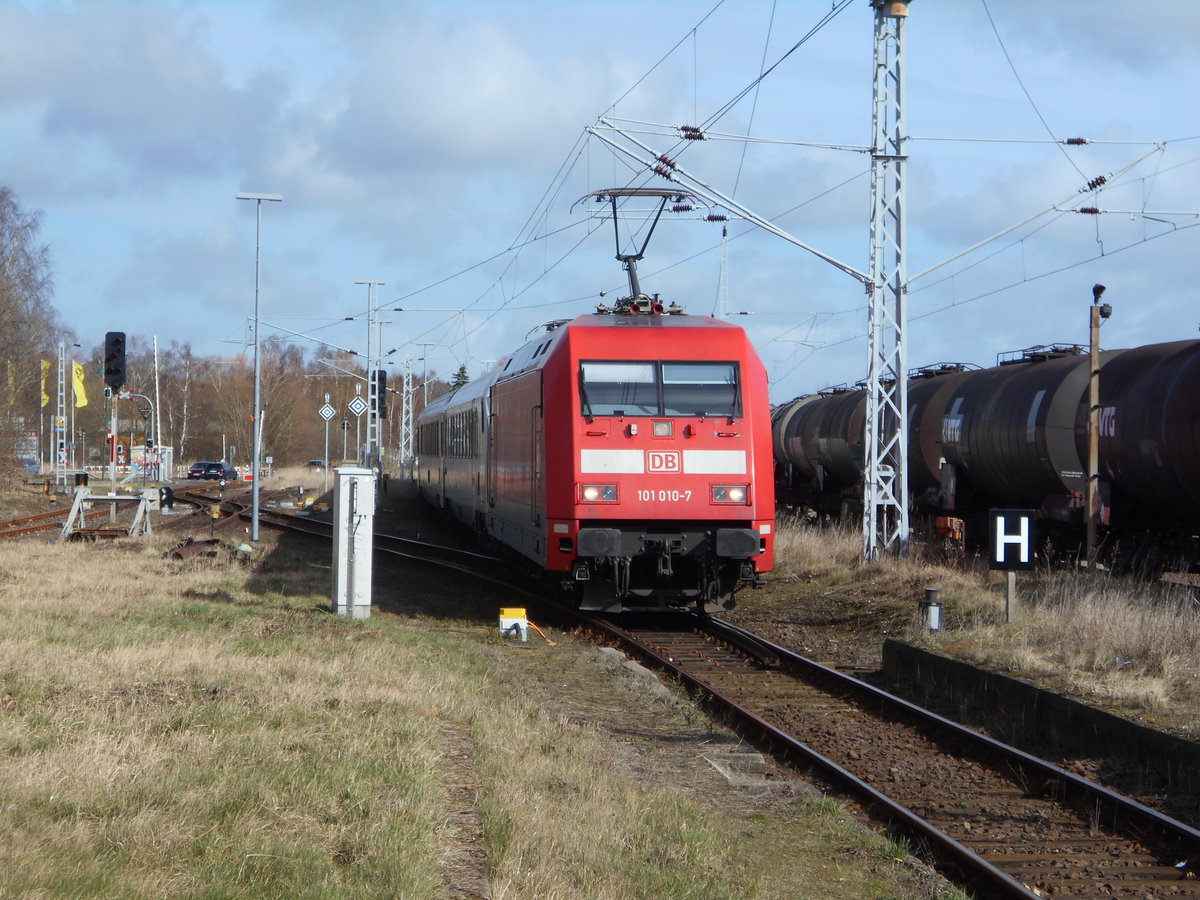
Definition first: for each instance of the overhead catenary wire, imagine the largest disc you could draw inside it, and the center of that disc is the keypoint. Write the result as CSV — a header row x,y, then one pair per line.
x,y
514,283
1026,279
754,104
525,236
1017,75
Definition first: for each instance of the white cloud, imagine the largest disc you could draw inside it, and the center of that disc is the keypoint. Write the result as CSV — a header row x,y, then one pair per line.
x,y
411,141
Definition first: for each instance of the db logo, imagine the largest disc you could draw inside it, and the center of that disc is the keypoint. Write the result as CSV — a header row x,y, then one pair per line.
x,y
663,461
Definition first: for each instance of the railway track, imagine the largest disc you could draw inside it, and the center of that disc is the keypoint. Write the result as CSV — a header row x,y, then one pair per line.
x,y
995,818
477,565
998,819
35,524
53,519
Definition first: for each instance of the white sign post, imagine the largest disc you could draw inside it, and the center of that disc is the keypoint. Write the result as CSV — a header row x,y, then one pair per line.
x,y
1010,547
358,406
327,412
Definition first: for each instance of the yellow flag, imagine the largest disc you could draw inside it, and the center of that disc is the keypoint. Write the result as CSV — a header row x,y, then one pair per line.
x,y
80,393
45,372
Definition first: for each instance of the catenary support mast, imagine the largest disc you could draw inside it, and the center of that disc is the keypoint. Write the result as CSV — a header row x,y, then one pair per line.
x,y
885,438
408,469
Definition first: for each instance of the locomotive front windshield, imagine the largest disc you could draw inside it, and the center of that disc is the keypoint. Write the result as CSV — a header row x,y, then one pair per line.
x,y
660,389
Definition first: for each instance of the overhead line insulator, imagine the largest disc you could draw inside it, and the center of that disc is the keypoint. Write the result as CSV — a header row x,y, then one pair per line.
x,y
1097,182
1075,142
1089,210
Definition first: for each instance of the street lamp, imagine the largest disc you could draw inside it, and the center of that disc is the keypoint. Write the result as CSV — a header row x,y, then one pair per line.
x,y
153,423
256,412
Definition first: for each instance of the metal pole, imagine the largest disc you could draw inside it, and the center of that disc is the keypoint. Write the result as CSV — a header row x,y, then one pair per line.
x,y
1093,496
153,419
256,412
112,460
71,406
157,419
60,420
1098,311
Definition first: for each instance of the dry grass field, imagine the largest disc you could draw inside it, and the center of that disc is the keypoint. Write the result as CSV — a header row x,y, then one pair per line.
x,y
208,728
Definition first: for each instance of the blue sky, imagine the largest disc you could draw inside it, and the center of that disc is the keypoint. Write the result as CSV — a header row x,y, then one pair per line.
x,y
440,148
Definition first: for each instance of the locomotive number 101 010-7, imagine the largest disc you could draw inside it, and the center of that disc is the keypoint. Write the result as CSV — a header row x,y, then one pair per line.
x,y
646,496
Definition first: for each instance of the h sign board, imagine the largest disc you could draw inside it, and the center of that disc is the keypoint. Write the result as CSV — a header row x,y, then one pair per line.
x,y
1011,539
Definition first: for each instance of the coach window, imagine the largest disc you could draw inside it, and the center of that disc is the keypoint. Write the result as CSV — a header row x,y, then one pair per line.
x,y
700,389
619,388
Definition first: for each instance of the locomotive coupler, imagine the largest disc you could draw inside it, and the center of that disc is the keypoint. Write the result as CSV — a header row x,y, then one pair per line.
x,y
665,568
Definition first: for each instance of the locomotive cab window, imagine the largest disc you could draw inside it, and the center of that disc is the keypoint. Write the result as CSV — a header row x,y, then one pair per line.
x,y
700,389
659,389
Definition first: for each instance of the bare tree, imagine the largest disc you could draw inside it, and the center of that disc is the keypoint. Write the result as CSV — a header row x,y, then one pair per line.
x,y
29,326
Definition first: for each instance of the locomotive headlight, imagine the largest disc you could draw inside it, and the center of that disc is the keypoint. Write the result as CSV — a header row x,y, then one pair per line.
x,y
730,493
599,493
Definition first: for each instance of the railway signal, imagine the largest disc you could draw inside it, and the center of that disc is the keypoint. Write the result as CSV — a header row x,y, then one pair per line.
x,y
114,359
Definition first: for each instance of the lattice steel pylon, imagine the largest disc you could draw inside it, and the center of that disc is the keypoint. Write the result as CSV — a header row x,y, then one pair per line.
x,y
373,458
885,432
407,467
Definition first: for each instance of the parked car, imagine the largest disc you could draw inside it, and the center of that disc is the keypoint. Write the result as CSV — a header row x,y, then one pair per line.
x,y
317,464
212,471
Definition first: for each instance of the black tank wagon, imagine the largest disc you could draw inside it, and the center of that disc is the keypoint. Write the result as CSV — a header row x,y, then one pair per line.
x,y
1015,435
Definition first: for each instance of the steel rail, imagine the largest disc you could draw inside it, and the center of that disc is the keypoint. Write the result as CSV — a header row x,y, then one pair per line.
x,y
797,751
1135,815
1137,812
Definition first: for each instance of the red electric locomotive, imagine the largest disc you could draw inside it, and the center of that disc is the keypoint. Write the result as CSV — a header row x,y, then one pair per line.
x,y
625,454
